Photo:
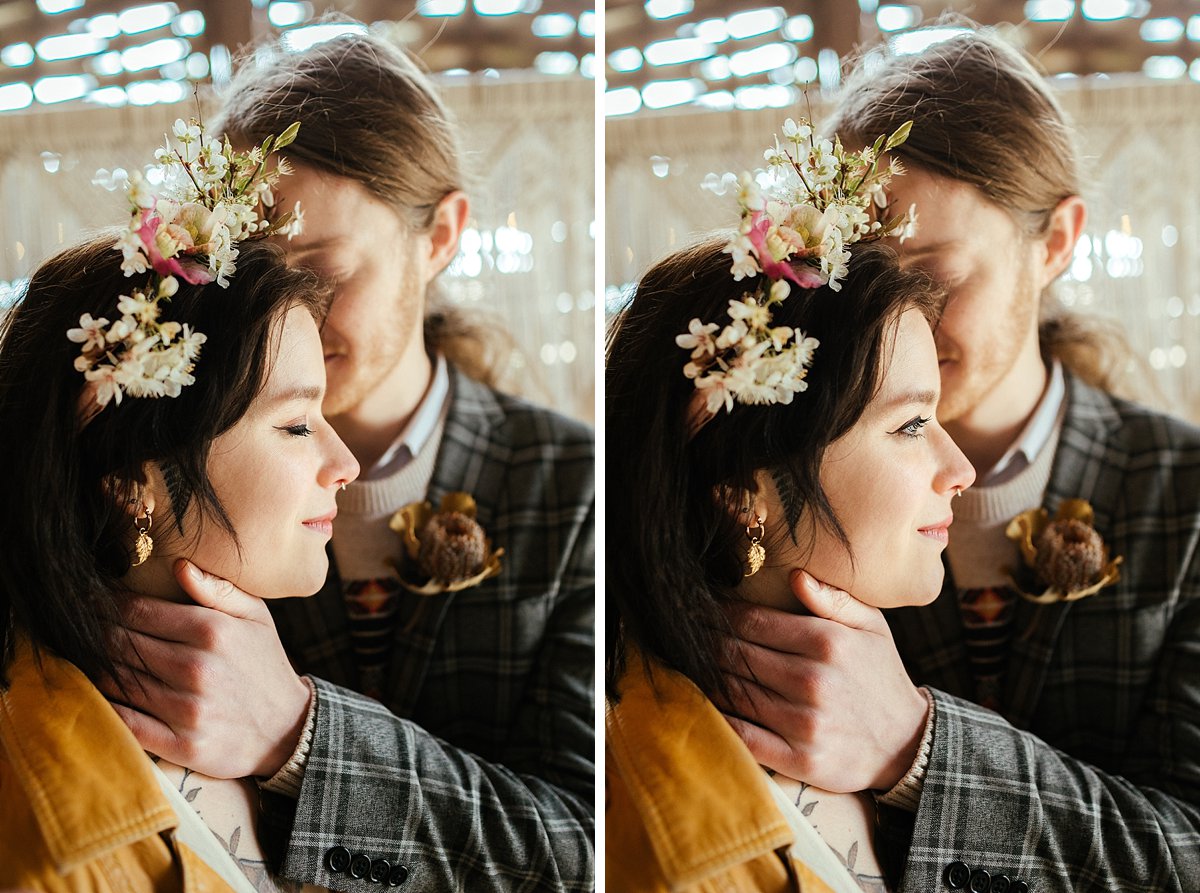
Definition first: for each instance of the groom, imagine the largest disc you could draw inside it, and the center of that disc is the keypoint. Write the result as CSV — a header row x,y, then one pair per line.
x,y
1060,748
439,742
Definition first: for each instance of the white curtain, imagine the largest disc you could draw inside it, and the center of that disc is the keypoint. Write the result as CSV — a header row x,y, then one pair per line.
x,y
530,155
1138,265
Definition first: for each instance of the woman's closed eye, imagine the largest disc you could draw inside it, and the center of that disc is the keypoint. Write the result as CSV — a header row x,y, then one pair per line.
x,y
300,429
912,428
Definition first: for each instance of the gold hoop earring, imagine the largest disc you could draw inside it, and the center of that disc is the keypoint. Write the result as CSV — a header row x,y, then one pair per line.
x,y
756,554
144,544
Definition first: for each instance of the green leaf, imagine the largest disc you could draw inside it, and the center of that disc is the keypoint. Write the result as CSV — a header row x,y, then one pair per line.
x,y
875,149
288,136
900,135
266,147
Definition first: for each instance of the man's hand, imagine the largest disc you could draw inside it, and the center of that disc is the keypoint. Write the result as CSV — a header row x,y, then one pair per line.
x,y
824,699
208,685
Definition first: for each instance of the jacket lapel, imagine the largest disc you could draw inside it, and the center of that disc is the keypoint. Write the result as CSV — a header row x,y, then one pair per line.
x,y
466,450
1080,470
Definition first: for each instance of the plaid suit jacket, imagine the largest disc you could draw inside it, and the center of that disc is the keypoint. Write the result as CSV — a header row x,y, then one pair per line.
x,y
477,771
1091,779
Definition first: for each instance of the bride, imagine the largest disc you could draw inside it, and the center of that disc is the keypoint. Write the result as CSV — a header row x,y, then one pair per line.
x,y
770,406
162,402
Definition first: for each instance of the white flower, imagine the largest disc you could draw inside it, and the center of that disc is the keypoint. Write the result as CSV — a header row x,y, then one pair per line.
x,y
744,264
698,339
797,133
718,395
908,227
755,315
139,307
90,333
749,195
139,191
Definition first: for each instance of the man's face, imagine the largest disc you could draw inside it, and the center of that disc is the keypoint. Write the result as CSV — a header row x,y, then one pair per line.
x,y
975,250
379,270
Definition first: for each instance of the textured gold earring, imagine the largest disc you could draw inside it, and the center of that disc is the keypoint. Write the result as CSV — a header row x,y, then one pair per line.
x,y
144,545
756,554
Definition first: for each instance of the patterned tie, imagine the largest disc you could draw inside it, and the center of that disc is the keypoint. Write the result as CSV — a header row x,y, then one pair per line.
x,y
987,617
371,608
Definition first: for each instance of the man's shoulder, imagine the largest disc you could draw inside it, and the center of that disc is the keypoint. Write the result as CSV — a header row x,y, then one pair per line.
x,y
518,422
1132,427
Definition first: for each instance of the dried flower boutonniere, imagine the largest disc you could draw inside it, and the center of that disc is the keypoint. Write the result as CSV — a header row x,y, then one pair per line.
x,y
446,550
1067,554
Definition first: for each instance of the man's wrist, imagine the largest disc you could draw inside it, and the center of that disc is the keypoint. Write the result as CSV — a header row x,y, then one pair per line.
x,y
906,793
289,777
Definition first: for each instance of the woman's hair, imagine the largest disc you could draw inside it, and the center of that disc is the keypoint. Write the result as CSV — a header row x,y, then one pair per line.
x,y
64,517
368,113
675,546
984,115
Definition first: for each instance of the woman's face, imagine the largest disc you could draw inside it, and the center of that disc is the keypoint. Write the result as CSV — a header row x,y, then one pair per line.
x,y
890,480
277,472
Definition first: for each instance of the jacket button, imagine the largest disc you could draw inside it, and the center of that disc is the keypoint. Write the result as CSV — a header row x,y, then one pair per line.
x,y
979,882
1001,883
360,865
1019,887
380,869
337,859
398,876
956,875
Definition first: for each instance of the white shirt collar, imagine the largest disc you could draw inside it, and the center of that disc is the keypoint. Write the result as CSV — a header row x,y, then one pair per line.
x,y
1036,433
420,427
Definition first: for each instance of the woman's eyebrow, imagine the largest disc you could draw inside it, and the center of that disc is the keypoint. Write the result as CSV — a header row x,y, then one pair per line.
x,y
300,392
914,397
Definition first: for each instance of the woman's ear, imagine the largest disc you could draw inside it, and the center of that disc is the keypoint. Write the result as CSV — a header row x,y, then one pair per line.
x,y
137,497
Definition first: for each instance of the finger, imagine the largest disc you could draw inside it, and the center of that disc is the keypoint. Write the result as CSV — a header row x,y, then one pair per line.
x,y
160,618
833,604
771,750
162,659
152,734
216,592
768,627
784,673
143,691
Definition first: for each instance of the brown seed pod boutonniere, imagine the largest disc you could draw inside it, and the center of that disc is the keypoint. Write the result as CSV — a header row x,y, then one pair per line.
x,y
446,550
1067,555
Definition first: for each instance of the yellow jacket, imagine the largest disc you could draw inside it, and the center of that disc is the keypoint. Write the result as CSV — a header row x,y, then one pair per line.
x,y
80,806
687,806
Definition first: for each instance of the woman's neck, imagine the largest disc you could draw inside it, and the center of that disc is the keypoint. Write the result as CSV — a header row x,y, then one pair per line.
x,y
156,579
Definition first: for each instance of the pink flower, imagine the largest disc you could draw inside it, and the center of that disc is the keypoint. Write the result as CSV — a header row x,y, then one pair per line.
x,y
807,277
167,266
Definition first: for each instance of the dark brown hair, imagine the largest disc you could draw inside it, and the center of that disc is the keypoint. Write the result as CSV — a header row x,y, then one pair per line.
x,y
984,115
63,519
674,552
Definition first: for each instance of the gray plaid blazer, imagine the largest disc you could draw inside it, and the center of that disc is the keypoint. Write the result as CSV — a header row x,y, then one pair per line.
x,y
477,771
1091,778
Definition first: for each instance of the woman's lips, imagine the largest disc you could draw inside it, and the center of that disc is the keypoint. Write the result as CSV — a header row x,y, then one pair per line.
x,y
939,531
322,525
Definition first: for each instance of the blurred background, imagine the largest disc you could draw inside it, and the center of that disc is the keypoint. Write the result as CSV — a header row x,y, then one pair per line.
x,y
91,84
695,88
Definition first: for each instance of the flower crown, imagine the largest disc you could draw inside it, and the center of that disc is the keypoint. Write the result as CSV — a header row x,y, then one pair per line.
x,y
799,218
188,213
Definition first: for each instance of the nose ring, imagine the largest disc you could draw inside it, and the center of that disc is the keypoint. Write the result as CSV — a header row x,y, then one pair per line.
x,y
957,490
343,485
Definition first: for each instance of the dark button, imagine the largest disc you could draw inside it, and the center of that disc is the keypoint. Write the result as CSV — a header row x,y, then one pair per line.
x,y
1001,883
361,864
1019,887
979,882
398,876
956,875
337,859
380,869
